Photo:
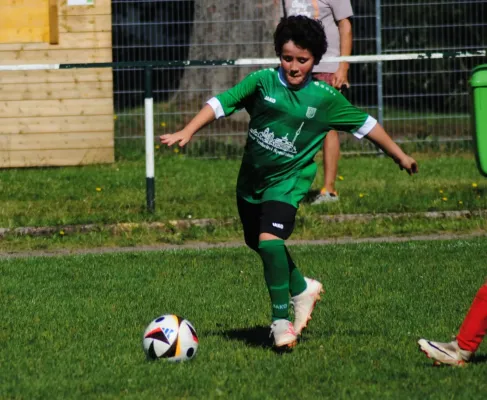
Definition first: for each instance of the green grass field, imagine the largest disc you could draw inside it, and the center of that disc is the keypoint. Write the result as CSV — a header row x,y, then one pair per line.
x,y
72,325
189,189
206,189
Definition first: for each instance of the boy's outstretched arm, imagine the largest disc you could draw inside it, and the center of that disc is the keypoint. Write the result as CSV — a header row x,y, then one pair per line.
x,y
380,137
204,117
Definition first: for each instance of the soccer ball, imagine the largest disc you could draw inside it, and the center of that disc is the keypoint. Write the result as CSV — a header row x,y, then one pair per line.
x,y
170,337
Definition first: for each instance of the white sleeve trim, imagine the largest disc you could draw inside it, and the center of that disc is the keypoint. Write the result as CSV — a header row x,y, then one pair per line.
x,y
368,125
217,107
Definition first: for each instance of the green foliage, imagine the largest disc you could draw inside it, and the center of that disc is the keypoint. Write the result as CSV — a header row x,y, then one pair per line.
x,y
73,324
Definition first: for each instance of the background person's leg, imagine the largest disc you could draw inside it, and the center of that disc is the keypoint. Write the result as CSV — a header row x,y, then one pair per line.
x,y
331,155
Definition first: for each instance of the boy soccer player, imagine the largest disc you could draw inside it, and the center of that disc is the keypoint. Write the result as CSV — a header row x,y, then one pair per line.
x,y
290,114
472,332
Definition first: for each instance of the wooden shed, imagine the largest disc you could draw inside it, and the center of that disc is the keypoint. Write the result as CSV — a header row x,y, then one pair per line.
x,y
56,117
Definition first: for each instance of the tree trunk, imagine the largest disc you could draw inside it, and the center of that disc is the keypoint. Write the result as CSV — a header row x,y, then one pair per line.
x,y
227,30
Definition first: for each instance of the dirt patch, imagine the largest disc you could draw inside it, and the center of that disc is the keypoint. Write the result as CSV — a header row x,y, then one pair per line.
x,y
202,245
187,223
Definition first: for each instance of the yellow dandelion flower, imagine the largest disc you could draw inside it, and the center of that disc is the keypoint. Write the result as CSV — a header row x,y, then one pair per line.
x,y
98,189
460,202
61,233
474,185
157,147
361,195
444,198
341,178
441,191
163,124
176,150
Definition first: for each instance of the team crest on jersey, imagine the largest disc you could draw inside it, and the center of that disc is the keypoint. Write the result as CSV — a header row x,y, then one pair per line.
x,y
279,145
310,113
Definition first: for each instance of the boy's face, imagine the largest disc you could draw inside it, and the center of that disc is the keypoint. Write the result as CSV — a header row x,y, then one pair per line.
x,y
296,62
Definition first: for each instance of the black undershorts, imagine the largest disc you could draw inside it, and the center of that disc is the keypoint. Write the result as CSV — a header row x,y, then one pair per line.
x,y
273,217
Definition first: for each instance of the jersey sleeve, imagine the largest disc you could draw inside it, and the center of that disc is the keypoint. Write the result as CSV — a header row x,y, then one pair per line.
x,y
235,98
341,9
343,116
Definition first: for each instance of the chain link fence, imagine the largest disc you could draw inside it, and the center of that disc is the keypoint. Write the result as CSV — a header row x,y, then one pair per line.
x,y
422,103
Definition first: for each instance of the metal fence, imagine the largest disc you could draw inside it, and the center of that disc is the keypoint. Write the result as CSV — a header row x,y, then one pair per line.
x,y
422,102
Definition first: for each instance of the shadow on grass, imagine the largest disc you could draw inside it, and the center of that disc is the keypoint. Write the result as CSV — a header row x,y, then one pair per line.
x,y
257,336
310,196
479,359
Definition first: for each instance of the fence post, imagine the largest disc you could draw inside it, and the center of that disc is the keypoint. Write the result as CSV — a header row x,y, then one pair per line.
x,y
378,36
149,140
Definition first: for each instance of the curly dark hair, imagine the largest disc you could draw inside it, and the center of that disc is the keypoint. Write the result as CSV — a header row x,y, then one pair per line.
x,y
305,32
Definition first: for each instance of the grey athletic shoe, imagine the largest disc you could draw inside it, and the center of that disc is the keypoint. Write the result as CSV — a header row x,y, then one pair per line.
x,y
283,333
326,197
445,353
304,304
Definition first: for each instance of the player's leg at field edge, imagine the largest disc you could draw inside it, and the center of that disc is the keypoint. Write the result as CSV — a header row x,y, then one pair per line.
x,y
474,326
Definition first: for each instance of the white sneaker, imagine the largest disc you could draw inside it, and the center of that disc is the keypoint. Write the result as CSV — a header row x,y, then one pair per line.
x,y
304,304
326,197
444,353
283,333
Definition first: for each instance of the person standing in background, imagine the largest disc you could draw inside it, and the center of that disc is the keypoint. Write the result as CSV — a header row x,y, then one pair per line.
x,y
334,15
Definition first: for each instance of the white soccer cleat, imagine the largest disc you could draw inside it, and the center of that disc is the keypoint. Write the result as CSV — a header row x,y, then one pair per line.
x,y
444,353
304,304
325,197
283,333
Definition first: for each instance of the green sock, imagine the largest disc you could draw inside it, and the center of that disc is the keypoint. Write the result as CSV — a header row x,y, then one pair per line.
x,y
297,284
276,273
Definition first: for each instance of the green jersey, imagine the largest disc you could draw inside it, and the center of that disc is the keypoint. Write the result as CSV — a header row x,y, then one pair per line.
x,y
286,130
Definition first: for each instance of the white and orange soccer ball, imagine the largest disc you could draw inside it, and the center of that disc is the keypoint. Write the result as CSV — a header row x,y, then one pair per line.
x,y
170,337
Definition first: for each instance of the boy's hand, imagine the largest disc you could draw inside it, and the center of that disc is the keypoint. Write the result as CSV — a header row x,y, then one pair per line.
x,y
182,137
409,164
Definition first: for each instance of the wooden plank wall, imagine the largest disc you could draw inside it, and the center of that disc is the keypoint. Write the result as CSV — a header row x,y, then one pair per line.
x,y
23,21
59,117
